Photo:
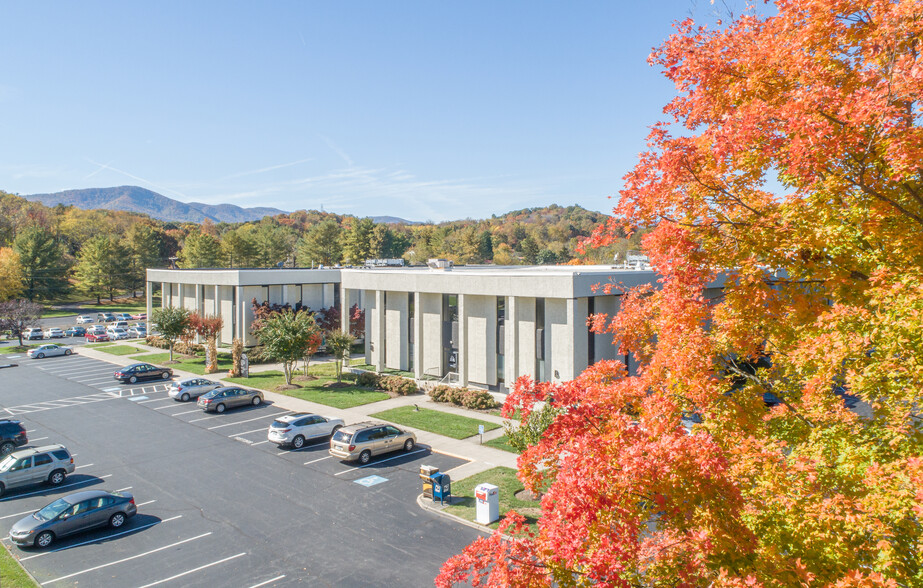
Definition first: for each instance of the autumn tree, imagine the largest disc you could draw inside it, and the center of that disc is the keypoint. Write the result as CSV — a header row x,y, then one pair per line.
x,y
788,173
209,328
11,274
18,315
339,345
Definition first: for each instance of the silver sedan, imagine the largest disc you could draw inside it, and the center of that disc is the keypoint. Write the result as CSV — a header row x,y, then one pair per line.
x,y
191,388
49,350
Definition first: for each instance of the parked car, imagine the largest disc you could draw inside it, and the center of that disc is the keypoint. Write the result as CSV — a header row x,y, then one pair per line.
x,y
142,371
119,324
122,316
105,317
191,388
222,399
84,319
73,513
361,441
76,332
97,337
12,435
117,333
49,350
137,332
139,317
33,333
35,465
295,429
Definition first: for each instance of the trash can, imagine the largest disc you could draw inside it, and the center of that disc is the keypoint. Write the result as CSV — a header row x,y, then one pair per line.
x,y
487,507
442,488
426,473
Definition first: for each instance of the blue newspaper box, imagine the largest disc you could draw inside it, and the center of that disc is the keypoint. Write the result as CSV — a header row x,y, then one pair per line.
x,y
442,487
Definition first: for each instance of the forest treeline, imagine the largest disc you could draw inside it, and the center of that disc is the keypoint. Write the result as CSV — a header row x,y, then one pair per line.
x,y
48,252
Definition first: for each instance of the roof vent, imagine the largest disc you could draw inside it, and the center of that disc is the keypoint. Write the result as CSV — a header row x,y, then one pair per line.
x,y
440,264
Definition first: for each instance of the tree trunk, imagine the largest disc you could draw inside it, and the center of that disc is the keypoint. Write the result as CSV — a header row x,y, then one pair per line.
x,y
171,351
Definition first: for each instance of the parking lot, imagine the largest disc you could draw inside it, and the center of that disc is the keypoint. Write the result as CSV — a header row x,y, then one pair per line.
x,y
218,503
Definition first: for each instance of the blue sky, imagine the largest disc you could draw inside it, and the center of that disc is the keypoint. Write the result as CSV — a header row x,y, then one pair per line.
x,y
422,110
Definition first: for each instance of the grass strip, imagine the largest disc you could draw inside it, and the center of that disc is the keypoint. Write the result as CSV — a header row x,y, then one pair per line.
x,y
313,390
12,574
119,349
501,443
505,479
435,421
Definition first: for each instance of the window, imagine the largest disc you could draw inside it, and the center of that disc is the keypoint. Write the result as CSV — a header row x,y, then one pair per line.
x,y
42,459
363,436
61,454
23,464
391,431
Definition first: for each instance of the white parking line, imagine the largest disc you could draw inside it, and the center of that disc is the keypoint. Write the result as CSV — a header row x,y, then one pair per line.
x,y
268,581
61,486
205,418
186,412
125,559
107,537
249,420
316,460
380,462
214,563
85,466
123,489
171,405
146,503
263,430
37,439
260,442
18,514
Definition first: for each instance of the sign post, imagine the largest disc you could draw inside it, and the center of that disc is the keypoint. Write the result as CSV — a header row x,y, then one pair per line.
x,y
481,434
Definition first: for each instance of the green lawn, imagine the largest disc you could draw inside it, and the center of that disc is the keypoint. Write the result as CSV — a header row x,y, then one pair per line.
x,y
109,344
17,348
119,349
346,397
195,365
505,479
435,421
501,443
55,313
134,307
12,575
385,372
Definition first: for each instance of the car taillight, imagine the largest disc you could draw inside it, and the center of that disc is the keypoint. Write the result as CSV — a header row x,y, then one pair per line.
x,y
179,388
283,430
131,501
352,447
206,400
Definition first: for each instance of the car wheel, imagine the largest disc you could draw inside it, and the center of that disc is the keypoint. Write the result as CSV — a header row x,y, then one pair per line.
x,y
117,520
220,408
166,375
132,380
298,442
408,445
67,352
257,400
44,539
365,456
56,478
7,448
184,397
40,355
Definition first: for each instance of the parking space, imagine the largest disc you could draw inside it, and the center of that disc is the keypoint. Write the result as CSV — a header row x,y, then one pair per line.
x,y
218,503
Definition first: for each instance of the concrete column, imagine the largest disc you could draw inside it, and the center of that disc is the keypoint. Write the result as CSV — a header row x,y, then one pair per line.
x,y
239,314
378,331
216,305
344,309
577,315
418,336
462,341
149,295
511,334
327,295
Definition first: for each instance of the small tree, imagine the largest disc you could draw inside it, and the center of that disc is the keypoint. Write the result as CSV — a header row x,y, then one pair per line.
x,y
173,323
287,337
208,327
18,315
339,344
311,349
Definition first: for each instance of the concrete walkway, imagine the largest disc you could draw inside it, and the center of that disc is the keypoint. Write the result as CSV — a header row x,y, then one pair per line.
x,y
480,457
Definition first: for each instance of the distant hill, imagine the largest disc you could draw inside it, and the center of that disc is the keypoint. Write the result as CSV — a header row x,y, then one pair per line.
x,y
135,199
383,220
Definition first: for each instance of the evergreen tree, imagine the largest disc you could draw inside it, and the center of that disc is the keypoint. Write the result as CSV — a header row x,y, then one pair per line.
x,y
43,263
358,242
98,267
485,247
142,247
200,250
320,245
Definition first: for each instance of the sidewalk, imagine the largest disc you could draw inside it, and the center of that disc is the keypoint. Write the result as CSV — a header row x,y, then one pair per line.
x,y
480,457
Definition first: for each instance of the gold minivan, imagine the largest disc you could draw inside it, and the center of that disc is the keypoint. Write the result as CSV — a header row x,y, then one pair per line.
x,y
361,441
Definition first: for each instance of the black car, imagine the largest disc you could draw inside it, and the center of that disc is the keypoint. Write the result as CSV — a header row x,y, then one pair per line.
x,y
76,332
12,435
142,371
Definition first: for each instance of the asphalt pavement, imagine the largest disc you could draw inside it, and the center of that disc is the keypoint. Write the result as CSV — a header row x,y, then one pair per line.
x,y
218,504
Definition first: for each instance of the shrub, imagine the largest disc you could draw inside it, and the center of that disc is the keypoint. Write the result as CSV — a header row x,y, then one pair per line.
x,y
477,399
398,385
157,341
443,393
370,379
188,348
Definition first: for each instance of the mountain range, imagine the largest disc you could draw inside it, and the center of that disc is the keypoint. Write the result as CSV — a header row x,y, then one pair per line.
x,y
135,199
141,200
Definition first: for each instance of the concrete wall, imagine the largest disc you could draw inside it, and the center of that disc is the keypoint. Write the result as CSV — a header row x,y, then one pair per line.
x,y
429,312
520,338
312,296
481,336
226,305
608,305
397,351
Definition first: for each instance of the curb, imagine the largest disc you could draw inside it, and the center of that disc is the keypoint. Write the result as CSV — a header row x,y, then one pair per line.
x,y
422,503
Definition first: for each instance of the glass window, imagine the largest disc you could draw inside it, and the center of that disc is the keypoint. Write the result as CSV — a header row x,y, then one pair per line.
x,y
61,454
391,431
363,436
341,437
22,464
42,459
53,510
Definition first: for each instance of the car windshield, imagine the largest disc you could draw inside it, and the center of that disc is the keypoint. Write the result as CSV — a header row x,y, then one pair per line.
x,y
7,462
53,510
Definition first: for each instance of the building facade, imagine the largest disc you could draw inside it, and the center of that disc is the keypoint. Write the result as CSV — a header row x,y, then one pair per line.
x,y
478,326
